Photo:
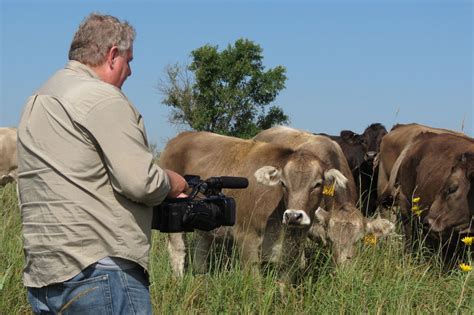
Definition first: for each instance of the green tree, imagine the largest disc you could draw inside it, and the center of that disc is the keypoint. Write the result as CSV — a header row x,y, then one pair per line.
x,y
225,92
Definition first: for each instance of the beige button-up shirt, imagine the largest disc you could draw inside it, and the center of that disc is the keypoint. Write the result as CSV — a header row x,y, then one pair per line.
x,y
85,176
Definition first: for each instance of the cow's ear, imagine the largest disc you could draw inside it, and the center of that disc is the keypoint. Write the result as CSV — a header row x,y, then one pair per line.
x,y
378,226
322,216
351,137
467,159
347,134
335,176
268,175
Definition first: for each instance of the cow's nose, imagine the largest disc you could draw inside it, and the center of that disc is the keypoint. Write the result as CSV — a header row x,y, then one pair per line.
x,y
370,155
293,218
296,217
434,224
428,221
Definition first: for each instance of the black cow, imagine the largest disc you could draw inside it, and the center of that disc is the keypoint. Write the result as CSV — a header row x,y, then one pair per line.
x,y
361,151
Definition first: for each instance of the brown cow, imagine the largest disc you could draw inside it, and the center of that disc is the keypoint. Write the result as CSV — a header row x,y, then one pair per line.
x,y
343,224
360,148
391,149
8,160
436,184
285,188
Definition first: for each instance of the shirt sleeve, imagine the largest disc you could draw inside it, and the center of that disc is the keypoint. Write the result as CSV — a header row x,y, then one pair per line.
x,y
117,130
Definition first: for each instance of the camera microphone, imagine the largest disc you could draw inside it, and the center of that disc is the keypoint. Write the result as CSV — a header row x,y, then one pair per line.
x,y
227,182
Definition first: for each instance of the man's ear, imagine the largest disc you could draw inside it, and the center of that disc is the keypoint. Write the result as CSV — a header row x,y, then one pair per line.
x,y
112,54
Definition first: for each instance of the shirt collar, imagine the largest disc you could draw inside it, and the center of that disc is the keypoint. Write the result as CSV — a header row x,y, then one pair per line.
x,y
80,67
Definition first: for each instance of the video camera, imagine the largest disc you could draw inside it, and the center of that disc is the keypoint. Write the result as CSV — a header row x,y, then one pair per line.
x,y
187,214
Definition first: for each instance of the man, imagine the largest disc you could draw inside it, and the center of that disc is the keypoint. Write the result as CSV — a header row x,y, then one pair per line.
x,y
87,182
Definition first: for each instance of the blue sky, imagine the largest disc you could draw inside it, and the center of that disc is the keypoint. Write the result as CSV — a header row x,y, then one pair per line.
x,y
349,63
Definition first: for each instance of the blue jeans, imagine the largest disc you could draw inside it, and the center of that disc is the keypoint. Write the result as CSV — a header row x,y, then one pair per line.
x,y
95,291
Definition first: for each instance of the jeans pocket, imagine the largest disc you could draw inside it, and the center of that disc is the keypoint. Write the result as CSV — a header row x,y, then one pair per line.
x,y
89,296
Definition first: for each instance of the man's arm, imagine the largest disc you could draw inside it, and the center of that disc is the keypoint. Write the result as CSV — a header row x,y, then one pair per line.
x,y
115,127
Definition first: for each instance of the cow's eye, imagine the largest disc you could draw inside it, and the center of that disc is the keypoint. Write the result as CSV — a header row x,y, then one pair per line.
x,y
451,189
317,185
283,185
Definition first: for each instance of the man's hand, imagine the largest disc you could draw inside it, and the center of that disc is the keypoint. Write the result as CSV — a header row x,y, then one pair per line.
x,y
178,185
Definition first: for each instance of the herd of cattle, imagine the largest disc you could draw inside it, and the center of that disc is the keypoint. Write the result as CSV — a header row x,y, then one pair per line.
x,y
328,188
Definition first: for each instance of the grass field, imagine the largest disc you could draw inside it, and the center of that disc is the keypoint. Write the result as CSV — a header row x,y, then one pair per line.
x,y
381,280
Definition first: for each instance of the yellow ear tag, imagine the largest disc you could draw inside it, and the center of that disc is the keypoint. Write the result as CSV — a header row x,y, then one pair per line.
x,y
328,190
370,239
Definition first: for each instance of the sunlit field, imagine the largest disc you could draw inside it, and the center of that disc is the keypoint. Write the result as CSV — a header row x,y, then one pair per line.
x,y
381,280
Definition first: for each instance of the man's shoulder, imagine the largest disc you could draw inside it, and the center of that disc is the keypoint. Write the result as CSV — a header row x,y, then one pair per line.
x,y
79,93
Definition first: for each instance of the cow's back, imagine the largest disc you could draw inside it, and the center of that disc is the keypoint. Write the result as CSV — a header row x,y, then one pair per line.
x,y
8,152
399,137
208,154
393,144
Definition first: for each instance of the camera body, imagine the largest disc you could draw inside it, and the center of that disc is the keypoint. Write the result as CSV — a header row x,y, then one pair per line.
x,y
187,214
184,215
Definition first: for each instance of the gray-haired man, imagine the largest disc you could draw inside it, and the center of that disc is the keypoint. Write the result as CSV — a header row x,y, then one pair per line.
x,y
87,182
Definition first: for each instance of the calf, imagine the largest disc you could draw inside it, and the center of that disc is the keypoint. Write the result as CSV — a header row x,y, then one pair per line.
x,y
343,224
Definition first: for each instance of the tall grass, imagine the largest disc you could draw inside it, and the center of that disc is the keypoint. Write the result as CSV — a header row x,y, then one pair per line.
x,y
380,280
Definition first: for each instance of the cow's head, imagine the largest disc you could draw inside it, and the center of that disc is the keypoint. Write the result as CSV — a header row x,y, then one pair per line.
x,y
342,228
372,137
353,147
453,206
302,179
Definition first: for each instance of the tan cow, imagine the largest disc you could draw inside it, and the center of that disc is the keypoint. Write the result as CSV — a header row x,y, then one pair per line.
x,y
273,214
339,222
8,160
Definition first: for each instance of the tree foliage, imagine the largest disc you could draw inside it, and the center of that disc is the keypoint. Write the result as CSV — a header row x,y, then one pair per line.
x,y
225,92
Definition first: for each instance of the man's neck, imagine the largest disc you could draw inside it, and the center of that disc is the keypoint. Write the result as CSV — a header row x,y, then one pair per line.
x,y
101,71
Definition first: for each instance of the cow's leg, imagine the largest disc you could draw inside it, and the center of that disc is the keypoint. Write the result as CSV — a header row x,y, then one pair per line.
x,y
382,179
406,218
292,252
14,174
386,197
177,252
271,244
249,244
201,251
5,179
